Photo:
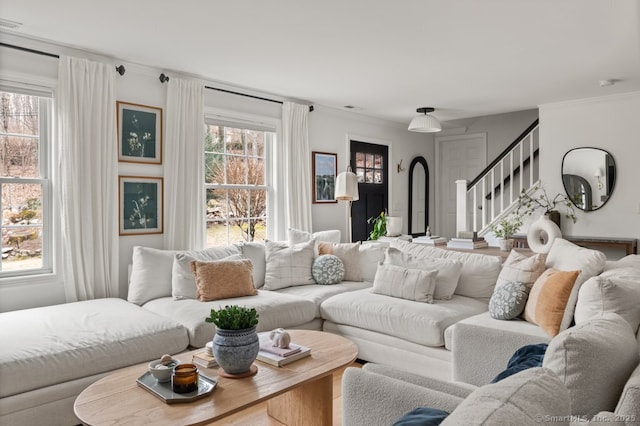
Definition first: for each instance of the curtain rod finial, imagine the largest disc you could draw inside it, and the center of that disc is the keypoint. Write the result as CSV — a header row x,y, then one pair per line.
x,y
163,78
120,69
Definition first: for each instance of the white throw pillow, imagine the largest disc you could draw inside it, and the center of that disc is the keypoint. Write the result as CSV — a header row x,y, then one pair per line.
x,y
255,253
594,360
522,269
183,283
617,291
405,283
629,261
448,270
371,254
296,236
150,274
566,256
479,272
526,398
288,266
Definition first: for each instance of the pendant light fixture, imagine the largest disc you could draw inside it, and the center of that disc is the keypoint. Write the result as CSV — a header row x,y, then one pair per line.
x,y
425,123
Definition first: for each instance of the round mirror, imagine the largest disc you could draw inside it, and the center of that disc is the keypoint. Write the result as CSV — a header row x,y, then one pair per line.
x,y
588,175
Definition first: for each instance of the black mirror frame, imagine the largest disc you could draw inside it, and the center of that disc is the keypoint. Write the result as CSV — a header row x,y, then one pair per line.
x,y
414,162
611,174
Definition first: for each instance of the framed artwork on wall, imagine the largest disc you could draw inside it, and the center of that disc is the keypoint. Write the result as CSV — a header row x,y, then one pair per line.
x,y
139,133
141,205
325,168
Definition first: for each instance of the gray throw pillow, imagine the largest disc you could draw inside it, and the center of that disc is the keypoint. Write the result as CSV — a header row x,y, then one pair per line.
x,y
327,269
508,301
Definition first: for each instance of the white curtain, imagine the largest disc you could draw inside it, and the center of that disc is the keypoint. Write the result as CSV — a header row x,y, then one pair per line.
x,y
86,166
294,171
184,166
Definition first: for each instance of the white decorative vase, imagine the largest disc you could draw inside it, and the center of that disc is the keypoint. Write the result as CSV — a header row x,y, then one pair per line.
x,y
505,244
394,226
541,235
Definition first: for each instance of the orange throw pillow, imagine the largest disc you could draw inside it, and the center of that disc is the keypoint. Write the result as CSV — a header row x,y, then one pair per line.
x,y
548,299
223,279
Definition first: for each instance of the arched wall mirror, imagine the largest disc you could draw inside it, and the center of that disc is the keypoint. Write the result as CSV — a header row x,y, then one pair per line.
x,y
418,197
589,176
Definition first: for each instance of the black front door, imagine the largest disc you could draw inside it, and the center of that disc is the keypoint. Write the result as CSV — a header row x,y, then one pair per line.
x,y
370,162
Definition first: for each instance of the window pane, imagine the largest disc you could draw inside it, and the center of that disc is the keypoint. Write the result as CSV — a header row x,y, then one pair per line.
x,y
19,156
360,159
21,248
234,140
255,143
236,170
369,176
213,139
19,113
377,176
378,161
21,203
370,161
360,174
256,171
217,233
216,204
213,168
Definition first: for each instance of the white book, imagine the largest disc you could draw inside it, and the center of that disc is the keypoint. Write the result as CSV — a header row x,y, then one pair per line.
x,y
279,361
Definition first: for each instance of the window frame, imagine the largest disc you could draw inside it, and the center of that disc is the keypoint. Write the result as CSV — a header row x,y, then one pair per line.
x,y
45,141
219,117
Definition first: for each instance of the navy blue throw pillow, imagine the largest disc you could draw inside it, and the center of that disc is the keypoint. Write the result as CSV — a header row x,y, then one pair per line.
x,y
422,417
528,356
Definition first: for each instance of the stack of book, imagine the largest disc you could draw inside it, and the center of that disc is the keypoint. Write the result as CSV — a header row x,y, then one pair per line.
x,y
204,358
467,243
280,356
433,240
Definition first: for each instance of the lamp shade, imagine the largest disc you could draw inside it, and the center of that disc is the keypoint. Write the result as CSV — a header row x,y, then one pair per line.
x,y
425,123
347,187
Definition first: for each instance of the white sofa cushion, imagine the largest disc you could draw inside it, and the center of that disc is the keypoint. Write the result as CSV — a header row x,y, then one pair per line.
x,y
479,272
616,290
330,236
287,266
275,309
183,283
526,398
255,251
150,274
566,256
448,270
594,360
55,344
413,321
371,254
319,293
405,283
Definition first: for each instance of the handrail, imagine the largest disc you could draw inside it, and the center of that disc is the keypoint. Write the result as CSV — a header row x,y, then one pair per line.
x,y
503,154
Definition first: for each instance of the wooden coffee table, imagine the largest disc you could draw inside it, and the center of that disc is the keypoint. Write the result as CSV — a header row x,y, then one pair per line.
x,y
298,393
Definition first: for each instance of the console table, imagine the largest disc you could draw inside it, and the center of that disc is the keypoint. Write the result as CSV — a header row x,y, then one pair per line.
x,y
629,245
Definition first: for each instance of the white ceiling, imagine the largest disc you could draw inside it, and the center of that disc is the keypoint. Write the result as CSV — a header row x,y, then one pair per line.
x,y
466,58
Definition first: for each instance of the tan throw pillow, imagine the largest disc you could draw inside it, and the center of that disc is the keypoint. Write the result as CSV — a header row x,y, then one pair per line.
x,y
519,268
405,283
223,279
350,256
548,299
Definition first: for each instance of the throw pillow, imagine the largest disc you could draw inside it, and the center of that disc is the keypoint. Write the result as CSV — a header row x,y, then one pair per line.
x,y
566,256
448,270
296,236
223,279
594,360
183,285
422,416
150,274
548,299
371,254
327,269
614,291
526,357
288,266
522,399
521,268
349,254
405,283
508,301
255,253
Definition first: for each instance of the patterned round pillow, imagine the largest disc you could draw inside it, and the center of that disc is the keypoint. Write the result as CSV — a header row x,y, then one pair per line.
x,y
327,269
508,301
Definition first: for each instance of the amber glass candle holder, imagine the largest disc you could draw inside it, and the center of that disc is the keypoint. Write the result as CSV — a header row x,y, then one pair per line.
x,y
184,378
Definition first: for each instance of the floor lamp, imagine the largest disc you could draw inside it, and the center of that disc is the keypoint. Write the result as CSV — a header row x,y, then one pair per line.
x,y
347,190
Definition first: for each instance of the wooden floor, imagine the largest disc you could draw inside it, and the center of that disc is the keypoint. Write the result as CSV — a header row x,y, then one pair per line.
x,y
257,415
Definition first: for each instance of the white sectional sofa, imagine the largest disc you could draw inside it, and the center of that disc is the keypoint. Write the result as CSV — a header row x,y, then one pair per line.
x,y
85,340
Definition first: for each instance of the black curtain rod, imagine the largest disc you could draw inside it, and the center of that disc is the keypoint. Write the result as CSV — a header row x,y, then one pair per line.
x,y
120,68
164,78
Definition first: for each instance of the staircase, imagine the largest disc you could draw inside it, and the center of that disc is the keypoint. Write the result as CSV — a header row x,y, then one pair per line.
x,y
494,193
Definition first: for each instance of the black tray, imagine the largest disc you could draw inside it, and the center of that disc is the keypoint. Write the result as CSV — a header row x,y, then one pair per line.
x,y
164,392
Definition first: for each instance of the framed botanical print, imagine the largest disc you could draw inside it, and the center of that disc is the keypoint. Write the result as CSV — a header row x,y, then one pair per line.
x,y
141,205
325,170
139,133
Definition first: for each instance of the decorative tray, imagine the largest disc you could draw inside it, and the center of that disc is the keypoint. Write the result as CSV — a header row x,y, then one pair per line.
x,y
164,392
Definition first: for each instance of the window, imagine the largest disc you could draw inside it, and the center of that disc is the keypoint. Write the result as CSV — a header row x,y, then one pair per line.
x,y
25,122
369,168
236,182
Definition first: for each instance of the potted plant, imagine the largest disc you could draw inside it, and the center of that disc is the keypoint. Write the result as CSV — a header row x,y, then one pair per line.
x,y
235,344
539,199
379,226
505,229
